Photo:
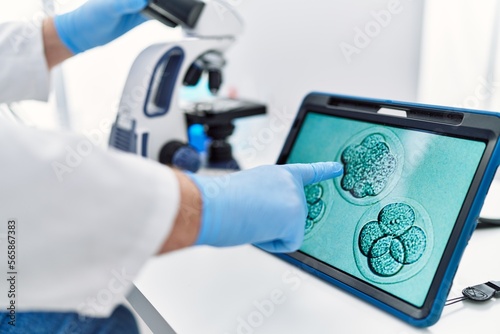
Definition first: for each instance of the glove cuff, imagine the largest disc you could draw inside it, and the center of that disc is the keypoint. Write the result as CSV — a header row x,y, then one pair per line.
x,y
209,225
63,23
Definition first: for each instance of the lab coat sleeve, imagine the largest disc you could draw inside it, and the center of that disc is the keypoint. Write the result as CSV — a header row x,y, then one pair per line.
x,y
87,219
24,74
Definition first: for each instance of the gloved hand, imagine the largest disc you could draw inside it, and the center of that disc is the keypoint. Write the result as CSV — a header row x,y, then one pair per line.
x,y
98,22
265,206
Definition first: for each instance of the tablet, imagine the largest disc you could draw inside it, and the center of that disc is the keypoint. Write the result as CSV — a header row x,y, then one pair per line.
x,y
393,228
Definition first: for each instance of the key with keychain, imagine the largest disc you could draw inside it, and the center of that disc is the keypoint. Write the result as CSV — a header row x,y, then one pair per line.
x,y
478,293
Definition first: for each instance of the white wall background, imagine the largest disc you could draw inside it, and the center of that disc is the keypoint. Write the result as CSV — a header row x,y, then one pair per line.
x,y
292,47
460,54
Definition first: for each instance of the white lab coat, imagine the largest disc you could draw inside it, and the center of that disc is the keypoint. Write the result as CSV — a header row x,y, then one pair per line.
x,y
83,235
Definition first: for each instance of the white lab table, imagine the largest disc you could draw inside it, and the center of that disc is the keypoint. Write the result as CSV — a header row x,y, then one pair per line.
x,y
244,290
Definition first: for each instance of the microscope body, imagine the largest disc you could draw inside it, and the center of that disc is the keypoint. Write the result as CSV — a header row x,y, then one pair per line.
x,y
149,114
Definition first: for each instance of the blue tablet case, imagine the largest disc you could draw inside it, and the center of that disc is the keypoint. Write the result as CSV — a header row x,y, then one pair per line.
x,y
461,122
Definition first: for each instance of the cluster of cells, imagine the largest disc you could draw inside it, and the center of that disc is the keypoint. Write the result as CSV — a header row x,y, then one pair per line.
x,y
367,166
393,241
315,205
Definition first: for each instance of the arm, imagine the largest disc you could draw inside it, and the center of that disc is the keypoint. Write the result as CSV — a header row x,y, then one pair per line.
x,y
91,219
29,55
265,206
24,74
95,23
55,51
187,222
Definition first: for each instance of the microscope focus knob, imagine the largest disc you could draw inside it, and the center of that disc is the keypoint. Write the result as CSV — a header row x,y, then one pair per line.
x,y
180,155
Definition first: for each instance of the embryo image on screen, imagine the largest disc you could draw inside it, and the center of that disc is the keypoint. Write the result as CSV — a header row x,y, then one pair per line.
x,y
319,198
368,166
372,162
393,241
388,219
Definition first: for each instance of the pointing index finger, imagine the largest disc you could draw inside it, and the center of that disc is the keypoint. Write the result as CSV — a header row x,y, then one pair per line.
x,y
316,172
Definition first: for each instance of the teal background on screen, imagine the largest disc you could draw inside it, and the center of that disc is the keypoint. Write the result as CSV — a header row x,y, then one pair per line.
x,y
437,173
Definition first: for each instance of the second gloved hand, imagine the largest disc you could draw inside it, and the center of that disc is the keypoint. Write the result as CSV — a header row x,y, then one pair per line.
x,y
265,206
98,22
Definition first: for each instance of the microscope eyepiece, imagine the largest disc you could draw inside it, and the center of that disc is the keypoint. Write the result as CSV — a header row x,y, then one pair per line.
x,y
193,74
175,12
214,80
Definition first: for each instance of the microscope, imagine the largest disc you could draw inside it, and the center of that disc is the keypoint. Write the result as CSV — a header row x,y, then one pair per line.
x,y
150,121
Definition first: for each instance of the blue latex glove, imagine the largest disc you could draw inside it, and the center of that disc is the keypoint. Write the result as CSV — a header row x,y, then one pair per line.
x,y
265,206
98,22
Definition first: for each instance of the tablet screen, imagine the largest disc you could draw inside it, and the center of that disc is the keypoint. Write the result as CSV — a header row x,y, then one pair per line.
x,y
388,219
